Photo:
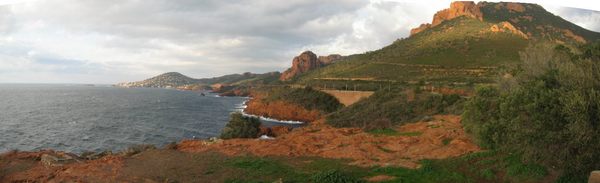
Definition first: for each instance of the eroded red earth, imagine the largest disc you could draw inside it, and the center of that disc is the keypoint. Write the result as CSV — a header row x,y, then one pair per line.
x,y
441,138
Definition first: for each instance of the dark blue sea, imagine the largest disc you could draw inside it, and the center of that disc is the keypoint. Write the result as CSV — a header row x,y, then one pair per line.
x,y
78,118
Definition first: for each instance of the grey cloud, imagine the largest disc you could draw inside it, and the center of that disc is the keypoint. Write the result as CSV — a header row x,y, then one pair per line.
x,y
588,19
122,40
6,19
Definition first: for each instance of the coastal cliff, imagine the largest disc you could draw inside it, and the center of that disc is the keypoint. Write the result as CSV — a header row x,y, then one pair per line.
x,y
281,110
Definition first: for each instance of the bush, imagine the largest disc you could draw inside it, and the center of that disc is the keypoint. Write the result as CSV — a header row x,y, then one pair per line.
x,y
306,97
552,116
334,176
241,126
386,108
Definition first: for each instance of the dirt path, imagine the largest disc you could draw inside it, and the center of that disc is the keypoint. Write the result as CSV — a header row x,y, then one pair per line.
x,y
349,97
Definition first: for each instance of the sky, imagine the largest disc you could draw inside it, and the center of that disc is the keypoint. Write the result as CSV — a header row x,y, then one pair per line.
x,y
111,41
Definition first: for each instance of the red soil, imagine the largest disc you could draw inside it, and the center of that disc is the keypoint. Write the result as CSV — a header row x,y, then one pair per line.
x,y
362,148
318,139
280,110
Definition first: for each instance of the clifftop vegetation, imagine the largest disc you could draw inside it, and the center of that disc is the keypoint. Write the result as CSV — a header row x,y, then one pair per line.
x,y
548,112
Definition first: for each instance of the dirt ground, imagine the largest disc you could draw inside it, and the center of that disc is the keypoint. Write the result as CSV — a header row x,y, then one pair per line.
x,y
349,97
193,160
437,139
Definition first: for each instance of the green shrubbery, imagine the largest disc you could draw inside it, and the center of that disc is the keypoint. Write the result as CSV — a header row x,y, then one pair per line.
x,y
386,108
334,176
550,114
240,126
306,97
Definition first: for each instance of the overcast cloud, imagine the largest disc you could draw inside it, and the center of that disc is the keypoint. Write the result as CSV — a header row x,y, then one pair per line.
x,y
109,41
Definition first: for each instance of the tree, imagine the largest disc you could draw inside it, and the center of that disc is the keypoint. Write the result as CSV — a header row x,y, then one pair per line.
x,y
241,126
551,116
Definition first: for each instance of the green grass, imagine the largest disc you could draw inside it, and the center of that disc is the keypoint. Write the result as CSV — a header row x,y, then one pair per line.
x,y
468,168
175,166
385,131
392,132
446,141
410,134
302,169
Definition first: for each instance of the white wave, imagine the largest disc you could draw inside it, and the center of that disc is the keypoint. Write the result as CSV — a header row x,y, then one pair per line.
x,y
244,106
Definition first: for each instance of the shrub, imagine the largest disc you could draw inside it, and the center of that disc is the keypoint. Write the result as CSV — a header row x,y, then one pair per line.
x,y
551,116
334,176
241,126
306,97
386,108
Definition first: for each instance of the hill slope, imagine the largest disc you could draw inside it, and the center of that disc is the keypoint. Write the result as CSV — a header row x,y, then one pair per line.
x,y
178,80
466,43
166,80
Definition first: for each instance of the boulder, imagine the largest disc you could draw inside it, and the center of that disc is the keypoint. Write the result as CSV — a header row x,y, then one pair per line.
x,y
58,159
325,60
594,177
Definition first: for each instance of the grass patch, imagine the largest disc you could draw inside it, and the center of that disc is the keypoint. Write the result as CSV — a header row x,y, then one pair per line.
x,y
410,134
385,131
475,167
446,141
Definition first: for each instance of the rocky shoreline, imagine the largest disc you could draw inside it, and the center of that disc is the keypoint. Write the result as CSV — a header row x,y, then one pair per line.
x,y
316,139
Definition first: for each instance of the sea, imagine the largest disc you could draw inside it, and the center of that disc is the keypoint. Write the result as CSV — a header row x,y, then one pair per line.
x,y
78,118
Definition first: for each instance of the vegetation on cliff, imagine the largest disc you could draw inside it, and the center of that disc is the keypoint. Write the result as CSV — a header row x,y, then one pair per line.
x,y
240,126
548,112
468,44
306,97
296,104
386,108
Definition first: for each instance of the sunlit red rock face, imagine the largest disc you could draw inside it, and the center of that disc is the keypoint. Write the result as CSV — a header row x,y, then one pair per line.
x,y
457,9
464,8
301,64
307,61
529,21
280,110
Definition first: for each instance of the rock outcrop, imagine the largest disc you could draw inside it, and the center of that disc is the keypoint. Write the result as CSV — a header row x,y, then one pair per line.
x,y
280,110
330,59
301,64
529,21
507,27
457,9
308,61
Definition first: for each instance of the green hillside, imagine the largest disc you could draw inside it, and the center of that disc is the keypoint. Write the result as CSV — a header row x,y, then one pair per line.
x,y
457,51
536,22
